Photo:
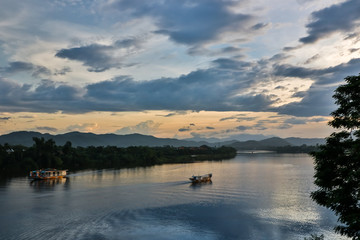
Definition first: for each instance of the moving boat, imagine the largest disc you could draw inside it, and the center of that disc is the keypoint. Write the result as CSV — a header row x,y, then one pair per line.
x,y
48,173
203,178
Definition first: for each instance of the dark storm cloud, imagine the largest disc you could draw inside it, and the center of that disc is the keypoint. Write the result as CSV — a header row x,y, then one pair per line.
x,y
343,17
321,76
19,66
287,70
211,89
318,99
46,97
317,102
188,22
215,89
219,88
97,57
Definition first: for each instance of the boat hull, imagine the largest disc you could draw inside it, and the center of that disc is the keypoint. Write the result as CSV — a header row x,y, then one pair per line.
x,y
46,178
200,179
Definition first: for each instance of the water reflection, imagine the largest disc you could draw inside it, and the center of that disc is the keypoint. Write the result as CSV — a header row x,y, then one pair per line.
x,y
199,185
49,184
254,196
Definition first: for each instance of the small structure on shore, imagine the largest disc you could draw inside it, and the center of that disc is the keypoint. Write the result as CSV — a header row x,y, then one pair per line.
x,y
202,178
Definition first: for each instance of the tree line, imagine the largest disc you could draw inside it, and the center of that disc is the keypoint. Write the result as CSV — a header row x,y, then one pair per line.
x,y
19,160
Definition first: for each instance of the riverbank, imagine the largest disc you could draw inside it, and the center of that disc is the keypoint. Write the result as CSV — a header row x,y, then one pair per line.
x,y
19,160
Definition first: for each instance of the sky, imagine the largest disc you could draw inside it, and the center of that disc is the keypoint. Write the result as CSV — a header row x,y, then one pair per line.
x,y
199,69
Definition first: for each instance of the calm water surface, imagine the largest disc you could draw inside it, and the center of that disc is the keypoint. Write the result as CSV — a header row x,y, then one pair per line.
x,y
254,196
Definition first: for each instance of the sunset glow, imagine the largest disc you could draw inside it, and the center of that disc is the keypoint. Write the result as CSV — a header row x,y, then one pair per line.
x,y
183,69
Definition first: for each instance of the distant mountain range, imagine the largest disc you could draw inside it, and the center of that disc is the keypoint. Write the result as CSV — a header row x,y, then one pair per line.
x,y
91,139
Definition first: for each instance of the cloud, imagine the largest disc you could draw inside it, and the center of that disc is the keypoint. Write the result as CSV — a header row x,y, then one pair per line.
x,y
243,128
260,26
100,58
321,76
49,129
63,71
146,127
285,126
97,57
317,101
304,1
319,119
187,128
82,127
175,114
46,97
184,129
186,22
227,85
19,66
210,89
295,121
232,64
312,59
260,125
352,50
4,119
343,17
27,116
238,118
227,118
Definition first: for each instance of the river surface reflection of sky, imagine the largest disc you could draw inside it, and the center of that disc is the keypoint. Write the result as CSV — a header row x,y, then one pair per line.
x,y
254,196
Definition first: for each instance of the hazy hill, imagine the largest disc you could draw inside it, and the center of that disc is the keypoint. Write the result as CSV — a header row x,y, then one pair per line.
x,y
308,141
263,144
91,139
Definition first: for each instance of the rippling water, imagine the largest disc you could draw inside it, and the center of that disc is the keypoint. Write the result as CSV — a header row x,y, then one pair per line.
x,y
254,196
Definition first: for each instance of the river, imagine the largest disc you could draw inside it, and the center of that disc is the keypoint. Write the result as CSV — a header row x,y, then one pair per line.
x,y
253,196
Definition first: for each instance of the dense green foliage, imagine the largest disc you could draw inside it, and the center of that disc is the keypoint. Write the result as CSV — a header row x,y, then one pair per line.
x,y
18,160
337,164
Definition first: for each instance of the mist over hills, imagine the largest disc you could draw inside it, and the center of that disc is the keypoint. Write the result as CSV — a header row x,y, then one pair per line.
x,y
90,139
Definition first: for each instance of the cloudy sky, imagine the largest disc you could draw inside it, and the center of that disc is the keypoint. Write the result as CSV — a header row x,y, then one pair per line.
x,y
175,68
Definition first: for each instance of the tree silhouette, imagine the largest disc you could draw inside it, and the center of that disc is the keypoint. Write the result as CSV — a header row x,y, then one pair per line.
x,y
337,164
46,153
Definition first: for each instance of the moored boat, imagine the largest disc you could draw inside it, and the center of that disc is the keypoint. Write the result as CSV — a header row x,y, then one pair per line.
x,y
48,173
203,178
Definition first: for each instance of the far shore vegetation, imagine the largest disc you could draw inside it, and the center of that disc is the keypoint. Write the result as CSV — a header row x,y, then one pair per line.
x,y
19,160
